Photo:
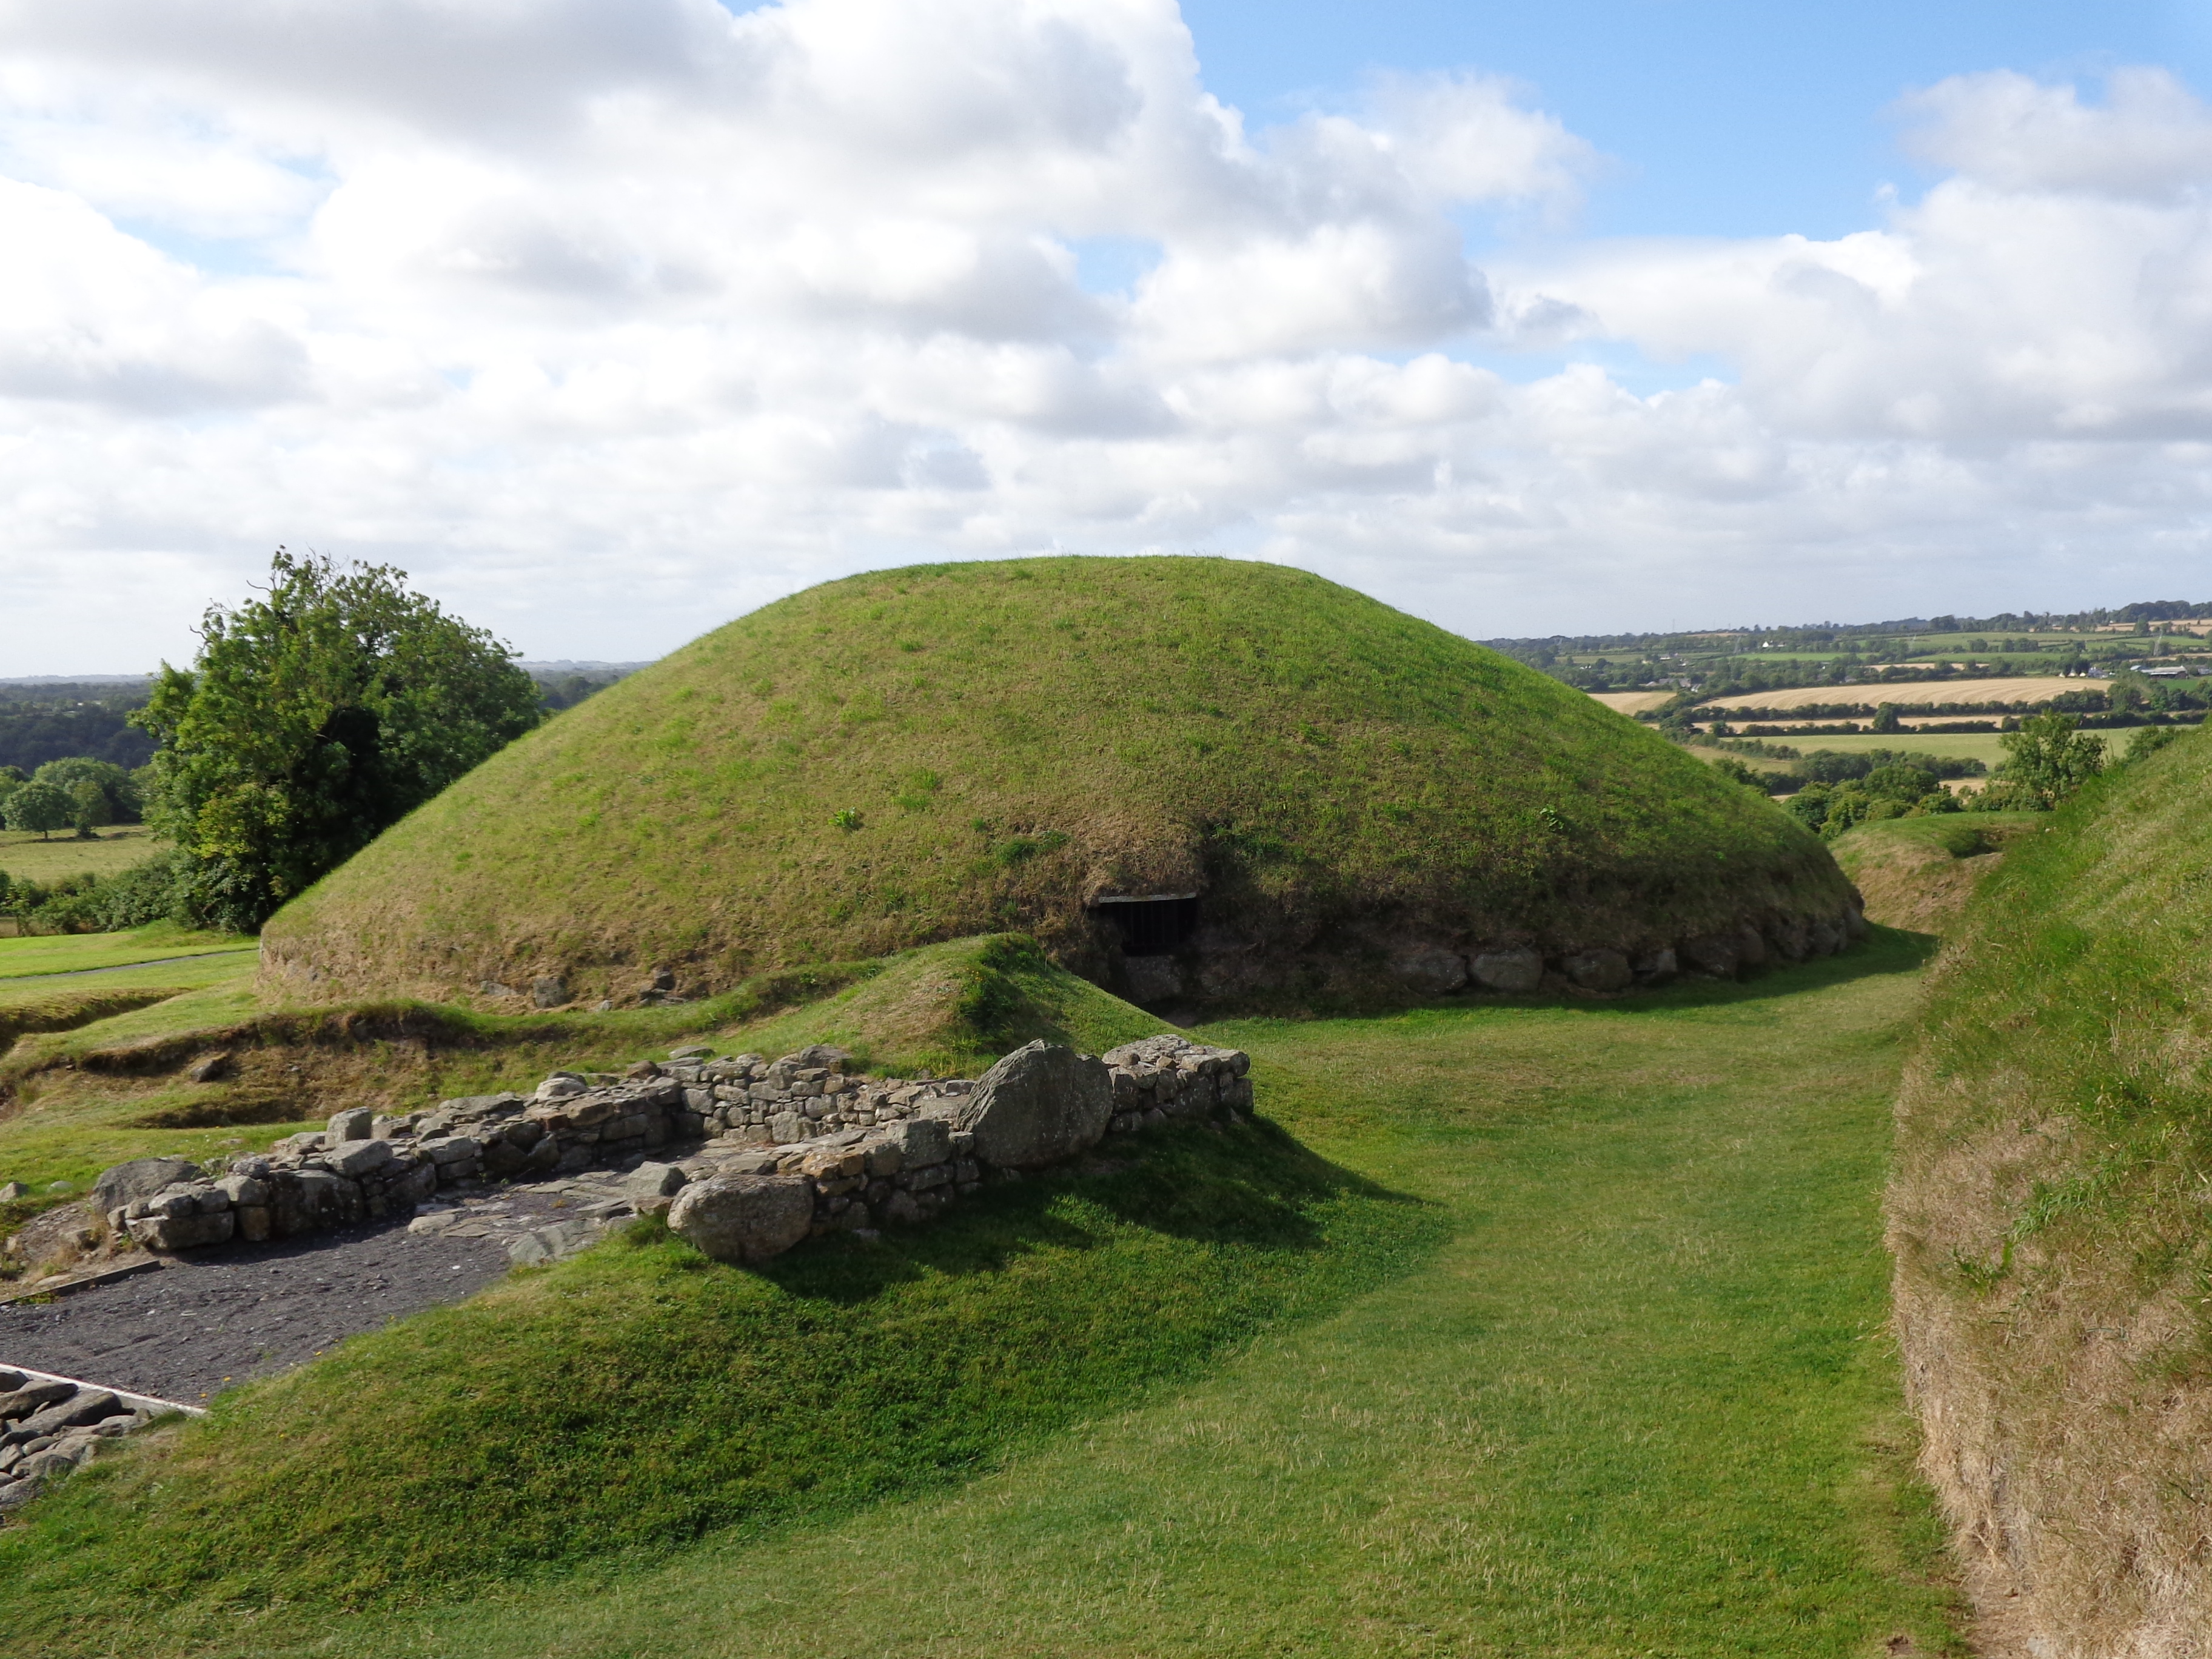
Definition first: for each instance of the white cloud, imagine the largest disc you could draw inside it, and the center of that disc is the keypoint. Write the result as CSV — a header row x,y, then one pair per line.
x,y
609,318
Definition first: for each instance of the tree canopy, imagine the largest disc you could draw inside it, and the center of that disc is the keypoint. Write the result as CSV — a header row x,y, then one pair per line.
x,y
42,808
119,801
2048,760
314,717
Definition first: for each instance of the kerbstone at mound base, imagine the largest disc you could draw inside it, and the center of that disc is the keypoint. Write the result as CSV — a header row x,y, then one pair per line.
x,y
1509,970
744,1217
1039,1104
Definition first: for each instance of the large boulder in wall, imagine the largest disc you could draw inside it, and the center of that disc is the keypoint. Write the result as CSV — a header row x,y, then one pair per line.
x,y
142,1177
744,1219
1041,1103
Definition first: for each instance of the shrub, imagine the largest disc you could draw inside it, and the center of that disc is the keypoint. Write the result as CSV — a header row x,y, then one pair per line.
x,y
2050,761
2149,741
148,892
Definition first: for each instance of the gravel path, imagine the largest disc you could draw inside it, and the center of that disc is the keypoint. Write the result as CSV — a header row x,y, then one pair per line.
x,y
209,1320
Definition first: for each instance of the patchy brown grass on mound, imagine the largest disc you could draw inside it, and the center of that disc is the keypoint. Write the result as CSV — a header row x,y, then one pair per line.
x,y
2048,1219
1919,873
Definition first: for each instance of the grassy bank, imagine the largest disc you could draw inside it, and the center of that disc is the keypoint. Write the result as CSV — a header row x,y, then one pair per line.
x,y
74,953
1919,873
642,1396
2053,1265
1638,1400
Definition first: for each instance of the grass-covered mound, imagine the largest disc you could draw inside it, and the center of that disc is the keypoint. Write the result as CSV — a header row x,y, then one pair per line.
x,y
1918,873
596,1412
950,1009
2048,1215
947,750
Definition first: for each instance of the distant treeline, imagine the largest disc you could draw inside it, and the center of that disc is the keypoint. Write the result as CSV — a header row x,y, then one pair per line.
x,y
53,722
57,719
1874,639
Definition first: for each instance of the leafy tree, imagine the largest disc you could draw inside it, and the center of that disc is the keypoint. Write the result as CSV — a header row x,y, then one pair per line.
x,y
1898,782
45,807
120,794
314,717
1809,805
88,809
1885,719
2049,760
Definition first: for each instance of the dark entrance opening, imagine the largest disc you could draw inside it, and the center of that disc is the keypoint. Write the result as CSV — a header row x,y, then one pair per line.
x,y
1152,924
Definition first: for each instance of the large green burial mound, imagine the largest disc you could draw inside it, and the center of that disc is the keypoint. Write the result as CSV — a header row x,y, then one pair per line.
x,y
1355,798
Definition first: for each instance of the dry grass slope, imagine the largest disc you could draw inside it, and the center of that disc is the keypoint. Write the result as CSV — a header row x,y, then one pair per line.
x,y
1919,873
942,751
2047,1217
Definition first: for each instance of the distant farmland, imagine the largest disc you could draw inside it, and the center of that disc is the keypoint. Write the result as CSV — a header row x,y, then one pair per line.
x,y
2018,689
1632,703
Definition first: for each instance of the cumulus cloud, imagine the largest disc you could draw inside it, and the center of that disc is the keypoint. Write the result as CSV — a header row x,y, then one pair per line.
x,y
609,318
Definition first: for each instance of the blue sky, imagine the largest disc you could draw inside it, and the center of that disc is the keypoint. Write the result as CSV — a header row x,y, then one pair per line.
x,y
1731,119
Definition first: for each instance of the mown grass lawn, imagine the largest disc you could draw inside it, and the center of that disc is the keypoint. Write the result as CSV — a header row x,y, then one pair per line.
x,y
75,953
1640,1400
29,857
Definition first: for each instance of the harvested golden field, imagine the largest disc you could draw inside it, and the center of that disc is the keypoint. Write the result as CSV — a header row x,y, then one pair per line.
x,y
2021,688
1632,703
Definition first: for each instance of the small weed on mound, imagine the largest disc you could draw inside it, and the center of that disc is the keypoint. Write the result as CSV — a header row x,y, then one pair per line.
x,y
642,1396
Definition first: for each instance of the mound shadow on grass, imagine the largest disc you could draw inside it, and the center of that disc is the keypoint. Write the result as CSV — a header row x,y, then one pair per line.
x,y
640,1397
1172,1185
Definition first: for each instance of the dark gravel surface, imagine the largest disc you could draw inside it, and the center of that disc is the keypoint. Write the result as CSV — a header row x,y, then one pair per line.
x,y
206,1322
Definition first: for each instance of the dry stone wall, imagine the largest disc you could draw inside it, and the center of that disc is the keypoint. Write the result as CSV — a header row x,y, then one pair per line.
x,y
49,1425
747,1156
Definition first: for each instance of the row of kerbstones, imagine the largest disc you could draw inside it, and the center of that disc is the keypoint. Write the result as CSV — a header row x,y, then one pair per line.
x,y
49,1426
764,1135
1520,970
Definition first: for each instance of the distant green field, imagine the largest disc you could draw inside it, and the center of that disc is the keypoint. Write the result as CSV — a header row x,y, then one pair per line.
x,y
1964,746
27,857
69,953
